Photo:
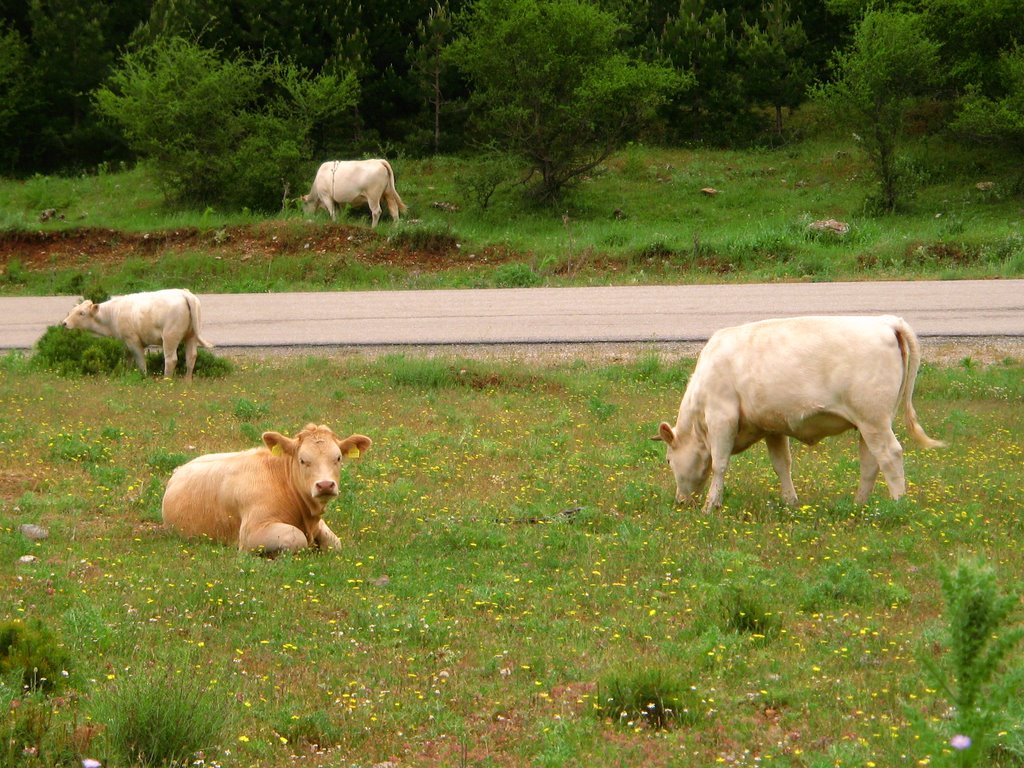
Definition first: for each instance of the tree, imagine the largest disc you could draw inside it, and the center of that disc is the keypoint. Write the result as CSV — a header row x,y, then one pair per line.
x,y
997,119
889,65
698,40
15,94
231,131
773,50
551,85
428,61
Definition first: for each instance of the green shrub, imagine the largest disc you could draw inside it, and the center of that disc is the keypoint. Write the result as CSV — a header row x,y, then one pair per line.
x,y
975,675
208,365
745,609
76,353
427,239
160,717
35,652
516,275
653,697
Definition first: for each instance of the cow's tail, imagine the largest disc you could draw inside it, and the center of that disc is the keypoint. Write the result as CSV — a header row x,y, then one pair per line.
x,y
910,351
196,315
394,202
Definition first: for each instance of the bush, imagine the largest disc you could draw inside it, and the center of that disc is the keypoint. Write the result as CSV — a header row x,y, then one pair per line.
x,y
35,652
78,353
652,697
72,353
516,275
160,718
221,131
208,365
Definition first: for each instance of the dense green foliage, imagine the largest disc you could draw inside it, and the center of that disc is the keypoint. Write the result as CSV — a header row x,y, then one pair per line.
x,y
558,93
749,61
77,353
221,132
890,63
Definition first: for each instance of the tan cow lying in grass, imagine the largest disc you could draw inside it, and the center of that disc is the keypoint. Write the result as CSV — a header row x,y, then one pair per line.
x,y
265,499
354,182
165,318
802,377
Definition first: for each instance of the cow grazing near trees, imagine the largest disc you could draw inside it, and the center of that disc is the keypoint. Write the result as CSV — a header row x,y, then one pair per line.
x,y
802,377
268,499
164,318
354,182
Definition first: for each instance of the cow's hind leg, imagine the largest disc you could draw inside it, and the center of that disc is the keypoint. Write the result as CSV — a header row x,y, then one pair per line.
x,y
374,211
272,538
887,453
170,357
191,350
782,462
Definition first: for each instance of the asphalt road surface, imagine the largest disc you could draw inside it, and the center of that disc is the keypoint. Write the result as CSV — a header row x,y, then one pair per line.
x,y
962,308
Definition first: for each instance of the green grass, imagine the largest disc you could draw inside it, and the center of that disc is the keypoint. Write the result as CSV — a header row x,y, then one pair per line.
x,y
513,574
639,218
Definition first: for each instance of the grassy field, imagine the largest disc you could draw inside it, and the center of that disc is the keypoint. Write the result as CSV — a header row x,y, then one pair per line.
x,y
641,218
515,586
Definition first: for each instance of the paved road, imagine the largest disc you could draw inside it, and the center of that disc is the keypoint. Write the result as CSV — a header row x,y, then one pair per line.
x,y
550,315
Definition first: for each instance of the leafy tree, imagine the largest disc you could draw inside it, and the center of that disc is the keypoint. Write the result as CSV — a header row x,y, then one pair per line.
x,y
220,131
428,61
551,85
698,40
888,66
999,119
775,71
973,35
15,93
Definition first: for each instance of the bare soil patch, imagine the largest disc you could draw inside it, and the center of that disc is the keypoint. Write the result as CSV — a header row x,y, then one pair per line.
x,y
46,248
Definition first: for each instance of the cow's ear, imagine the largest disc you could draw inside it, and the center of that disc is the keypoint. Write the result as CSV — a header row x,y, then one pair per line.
x,y
666,433
353,445
94,308
275,440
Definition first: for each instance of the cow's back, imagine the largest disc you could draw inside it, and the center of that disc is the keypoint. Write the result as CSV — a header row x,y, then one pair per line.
x,y
775,371
147,316
212,494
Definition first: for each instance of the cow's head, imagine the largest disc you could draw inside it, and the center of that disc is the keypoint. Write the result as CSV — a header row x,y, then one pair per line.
x,y
689,459
83,316
309,202
316,454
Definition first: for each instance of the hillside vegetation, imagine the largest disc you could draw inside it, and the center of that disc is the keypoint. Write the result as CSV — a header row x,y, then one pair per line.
x,y
648,215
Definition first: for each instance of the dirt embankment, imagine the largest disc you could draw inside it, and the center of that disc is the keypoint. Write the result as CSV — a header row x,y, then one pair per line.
x,y
48,246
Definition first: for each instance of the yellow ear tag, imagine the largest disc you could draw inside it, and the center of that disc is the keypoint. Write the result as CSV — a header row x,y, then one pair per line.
x,y
276,450
353,453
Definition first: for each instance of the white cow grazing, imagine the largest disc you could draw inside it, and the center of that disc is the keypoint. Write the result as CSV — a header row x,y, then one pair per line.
x,y
265,499
158,318
354,182
802,377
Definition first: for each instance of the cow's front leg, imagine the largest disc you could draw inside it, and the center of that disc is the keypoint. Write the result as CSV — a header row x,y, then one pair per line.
x,y
138,351
868,473
720,442
271,538
782,462
326,538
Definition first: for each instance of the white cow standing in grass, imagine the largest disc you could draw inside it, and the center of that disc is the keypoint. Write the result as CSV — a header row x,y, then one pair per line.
x,y
354,182
802,377
157,318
